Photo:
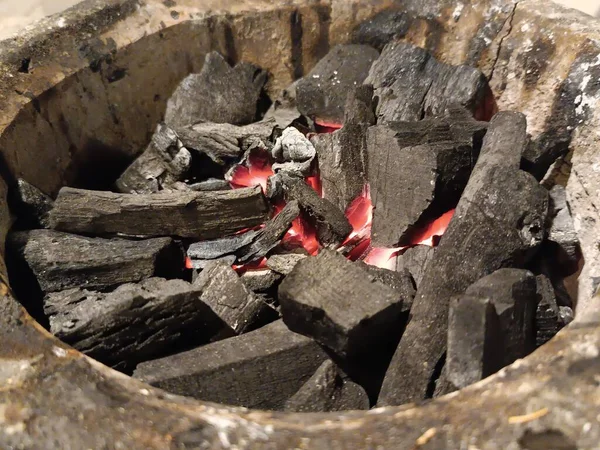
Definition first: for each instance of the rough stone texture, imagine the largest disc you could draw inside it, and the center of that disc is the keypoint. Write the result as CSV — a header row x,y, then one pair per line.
x,y
492,34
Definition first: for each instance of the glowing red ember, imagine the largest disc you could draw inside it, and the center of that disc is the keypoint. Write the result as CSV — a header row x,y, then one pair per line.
x,y
256,172
326,127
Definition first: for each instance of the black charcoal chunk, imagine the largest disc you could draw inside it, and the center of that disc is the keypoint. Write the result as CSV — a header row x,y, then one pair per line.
x,y
548,317
322,93
285,263
219,93
212,184
401,281
164,162
382,28
498,222
261,281
261,369
31,205
199,215
328,390
61,261
415,260
411,84
134,323
562,229
339,304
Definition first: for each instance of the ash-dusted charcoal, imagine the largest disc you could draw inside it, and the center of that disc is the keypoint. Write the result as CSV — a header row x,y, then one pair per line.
x,y
248,246
283,110
548,317
382,28
499,221
261,369
475,342
331,223
412,184
339,304
199,215
284,264
219,93
229,298
328,390
411,84
562,229
31,205
134,323
293,152
513,294
223,142
342,155
415,260
164,162
322,93
261,281
212,184
62,261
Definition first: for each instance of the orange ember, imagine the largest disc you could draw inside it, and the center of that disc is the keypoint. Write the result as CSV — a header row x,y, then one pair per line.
x,y
255,173
326,127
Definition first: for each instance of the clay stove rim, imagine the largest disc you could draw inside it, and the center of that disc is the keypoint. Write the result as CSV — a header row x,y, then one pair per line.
x,y
540,386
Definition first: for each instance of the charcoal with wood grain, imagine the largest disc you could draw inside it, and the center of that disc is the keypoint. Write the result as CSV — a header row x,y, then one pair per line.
x,y
219,93
31,206
260,369
135,322
225,293
339,304
164,162
498,222
342,154
329,389
285,263
248,246
411,84
321,94
262,281
385,26
198,215
550,318
565,251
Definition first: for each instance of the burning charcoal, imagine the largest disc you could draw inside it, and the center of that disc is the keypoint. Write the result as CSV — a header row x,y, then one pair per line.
x,y
62,261
222,141
283,110
293,153
261,281
219,93
199,215
338,303
412,184
415,260
498,221
134,323
212,184
411,84
322,93
229,298
261,369
328,390
164,162
331,224
548,319
284,264
562,231
384,27
513,294
31,205
342,154
475,342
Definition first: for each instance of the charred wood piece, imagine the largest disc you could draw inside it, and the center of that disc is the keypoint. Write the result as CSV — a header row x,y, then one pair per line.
x,y
134,323
199,215
411,84
498,222
322,93
328,390
164,162
284,264
415,260
219,93
261,369
229,298
384,27
562,231
339,304
293,152
330,222
31,206
61,261
549,317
